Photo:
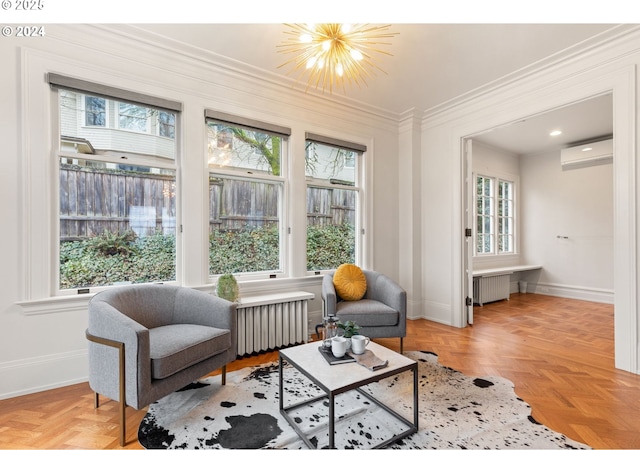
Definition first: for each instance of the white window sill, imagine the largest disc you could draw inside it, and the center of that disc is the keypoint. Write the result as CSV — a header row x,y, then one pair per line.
x,y
50,305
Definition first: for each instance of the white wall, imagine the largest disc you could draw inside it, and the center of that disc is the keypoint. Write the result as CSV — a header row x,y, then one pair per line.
x,y
576,204
43,343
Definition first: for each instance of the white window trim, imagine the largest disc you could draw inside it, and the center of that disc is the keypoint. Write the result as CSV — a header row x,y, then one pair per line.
x,y
38,182
38,220
64,295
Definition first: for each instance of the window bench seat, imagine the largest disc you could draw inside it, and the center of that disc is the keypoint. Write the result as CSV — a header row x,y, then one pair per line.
x,y
504,270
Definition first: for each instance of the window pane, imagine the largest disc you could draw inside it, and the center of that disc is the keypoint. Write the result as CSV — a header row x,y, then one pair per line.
x,y
332,164
486,206
331,215
117,221
117,225
240,148
505,243
98,136
331,209
505,189
95,111
487,186
243,226
488,244
167,124
133,117
505,211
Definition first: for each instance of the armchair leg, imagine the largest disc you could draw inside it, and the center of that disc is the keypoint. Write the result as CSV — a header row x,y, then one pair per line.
x,y
123,423
224,374
96,401
401,346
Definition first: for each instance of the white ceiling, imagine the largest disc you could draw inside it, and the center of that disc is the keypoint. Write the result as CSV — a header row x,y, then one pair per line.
x,y
431,64
579,122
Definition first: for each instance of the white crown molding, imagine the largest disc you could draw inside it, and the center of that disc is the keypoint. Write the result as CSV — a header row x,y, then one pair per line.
x,y
618,35
120,38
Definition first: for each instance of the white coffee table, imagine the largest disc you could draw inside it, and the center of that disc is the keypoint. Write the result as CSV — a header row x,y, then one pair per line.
x,y
336,379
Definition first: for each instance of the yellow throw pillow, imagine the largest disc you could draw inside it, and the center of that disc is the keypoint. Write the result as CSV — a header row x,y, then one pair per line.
x,y
350,282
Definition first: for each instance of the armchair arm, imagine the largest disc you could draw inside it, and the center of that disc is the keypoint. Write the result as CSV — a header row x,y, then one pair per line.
x,y
107,322
329,296
390,293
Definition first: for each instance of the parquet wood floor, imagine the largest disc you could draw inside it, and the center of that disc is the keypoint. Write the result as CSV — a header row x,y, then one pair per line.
x,y
557,352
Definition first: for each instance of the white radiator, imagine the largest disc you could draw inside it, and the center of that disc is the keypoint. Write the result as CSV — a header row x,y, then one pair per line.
x,y
272,321
491,288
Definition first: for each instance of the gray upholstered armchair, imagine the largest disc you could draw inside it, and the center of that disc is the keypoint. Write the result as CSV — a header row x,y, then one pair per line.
x,y
381,313
150,340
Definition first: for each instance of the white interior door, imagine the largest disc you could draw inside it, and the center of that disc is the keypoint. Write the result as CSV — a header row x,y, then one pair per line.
x,y
469,229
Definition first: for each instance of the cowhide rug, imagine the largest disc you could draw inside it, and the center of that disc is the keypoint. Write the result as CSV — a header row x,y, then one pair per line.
x,y
456,411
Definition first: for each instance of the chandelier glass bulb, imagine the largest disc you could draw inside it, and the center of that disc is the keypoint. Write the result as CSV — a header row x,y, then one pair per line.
x,y
332,53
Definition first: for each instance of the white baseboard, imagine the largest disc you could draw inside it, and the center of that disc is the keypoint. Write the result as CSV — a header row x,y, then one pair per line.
x,y
437,312
31,375
567,291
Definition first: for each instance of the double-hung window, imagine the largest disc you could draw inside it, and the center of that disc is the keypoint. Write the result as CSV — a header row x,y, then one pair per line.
x,y
495,216
116,197
334,195
247,167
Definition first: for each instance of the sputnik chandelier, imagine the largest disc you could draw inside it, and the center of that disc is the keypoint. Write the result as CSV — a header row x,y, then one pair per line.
x,y
332,53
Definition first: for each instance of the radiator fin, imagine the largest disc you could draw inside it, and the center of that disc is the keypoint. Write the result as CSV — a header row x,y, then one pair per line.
x,y
267,327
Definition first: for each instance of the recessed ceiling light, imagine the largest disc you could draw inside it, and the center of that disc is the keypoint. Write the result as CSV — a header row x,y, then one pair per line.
x,y
555,133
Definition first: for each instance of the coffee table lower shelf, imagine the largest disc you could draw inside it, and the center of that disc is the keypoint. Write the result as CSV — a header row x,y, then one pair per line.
x,y
332,390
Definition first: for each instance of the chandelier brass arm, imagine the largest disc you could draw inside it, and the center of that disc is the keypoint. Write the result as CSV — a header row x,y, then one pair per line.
x,y
333,53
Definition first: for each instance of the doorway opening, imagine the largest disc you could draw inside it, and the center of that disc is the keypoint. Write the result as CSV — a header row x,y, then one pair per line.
x,y
561,218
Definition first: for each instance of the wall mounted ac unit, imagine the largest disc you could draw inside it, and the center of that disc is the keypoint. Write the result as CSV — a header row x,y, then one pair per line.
x,y
592,154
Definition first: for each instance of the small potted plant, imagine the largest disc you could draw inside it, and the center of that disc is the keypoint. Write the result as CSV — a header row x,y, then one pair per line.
x,y
228,287
349,328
